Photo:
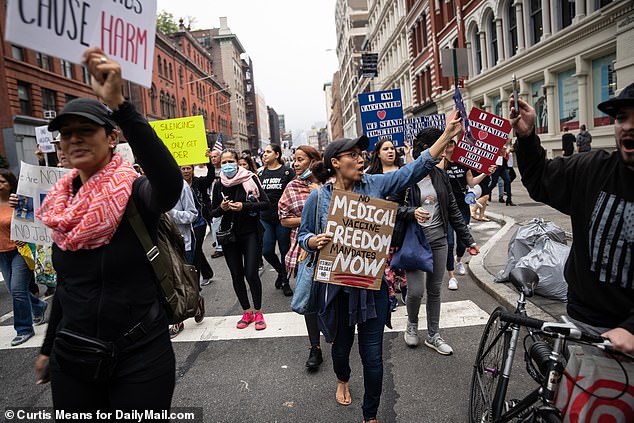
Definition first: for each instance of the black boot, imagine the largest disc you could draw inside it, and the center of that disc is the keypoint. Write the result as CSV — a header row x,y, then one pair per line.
x,y
510,203
314,358
286,289
279,281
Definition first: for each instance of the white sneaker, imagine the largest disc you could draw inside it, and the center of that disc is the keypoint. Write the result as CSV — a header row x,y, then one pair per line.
x,y
437,343
453,284
460,268
411,334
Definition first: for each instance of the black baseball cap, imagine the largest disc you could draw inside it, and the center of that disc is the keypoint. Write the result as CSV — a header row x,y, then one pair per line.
x,y
341,145
624,99
88,108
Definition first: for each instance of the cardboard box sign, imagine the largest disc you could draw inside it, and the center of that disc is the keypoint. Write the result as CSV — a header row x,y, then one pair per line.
x,y
362,229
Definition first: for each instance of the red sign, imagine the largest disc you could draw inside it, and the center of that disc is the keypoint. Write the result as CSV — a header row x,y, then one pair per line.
x,y
490,133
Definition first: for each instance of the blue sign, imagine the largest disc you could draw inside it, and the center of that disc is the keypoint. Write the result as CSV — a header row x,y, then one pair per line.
x,y
457,98
415,124
382,116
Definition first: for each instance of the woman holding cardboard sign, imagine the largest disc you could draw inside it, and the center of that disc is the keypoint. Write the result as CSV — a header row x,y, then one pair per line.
x,y
341,308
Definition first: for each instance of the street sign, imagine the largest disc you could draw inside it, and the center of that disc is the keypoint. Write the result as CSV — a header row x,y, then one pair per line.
x,y
369,62
382,116
454,68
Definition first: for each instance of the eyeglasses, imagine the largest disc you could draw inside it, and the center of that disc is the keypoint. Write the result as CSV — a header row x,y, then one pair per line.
x,y
354,155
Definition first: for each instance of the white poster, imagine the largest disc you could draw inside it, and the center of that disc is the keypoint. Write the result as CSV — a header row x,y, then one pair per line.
x,y
124,30
33,185
44,139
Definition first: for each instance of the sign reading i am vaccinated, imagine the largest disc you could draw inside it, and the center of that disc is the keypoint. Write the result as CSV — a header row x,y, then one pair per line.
x,y
382,116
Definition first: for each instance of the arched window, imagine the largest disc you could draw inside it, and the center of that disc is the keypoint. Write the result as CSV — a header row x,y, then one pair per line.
x,y
493,36
171,73
162,100
180,75
512,17
153,98
183,107
567,12
212,125
536,20
165,66
477,48
194,109
191,84
160,65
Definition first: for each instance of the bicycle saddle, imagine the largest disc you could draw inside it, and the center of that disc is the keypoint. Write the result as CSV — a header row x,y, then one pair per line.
x,y
524,280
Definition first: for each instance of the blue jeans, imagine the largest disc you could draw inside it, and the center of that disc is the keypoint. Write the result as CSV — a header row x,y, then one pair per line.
x,y
501,172
17,277
370,349
276,232
461,247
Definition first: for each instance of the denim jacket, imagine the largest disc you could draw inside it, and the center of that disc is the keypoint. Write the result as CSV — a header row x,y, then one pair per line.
x,y
361,305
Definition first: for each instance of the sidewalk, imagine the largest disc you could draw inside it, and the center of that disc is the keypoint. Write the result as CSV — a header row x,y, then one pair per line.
x,y
494,253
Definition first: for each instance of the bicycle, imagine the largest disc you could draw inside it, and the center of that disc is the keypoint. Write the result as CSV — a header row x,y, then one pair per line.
x,y
544,363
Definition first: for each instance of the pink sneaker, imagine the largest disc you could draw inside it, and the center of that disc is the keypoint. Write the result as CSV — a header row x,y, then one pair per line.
x,y
260,324
247,319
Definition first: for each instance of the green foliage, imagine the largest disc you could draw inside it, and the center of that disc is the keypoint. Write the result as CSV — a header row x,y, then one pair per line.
x,y
166,23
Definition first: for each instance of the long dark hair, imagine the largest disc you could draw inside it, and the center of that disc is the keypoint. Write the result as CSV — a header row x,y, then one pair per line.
x,y
250,162
277,149
232,152
11,179
376,167
425,139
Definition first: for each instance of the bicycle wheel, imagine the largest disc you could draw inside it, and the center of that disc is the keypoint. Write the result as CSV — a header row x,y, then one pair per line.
x,y
488,367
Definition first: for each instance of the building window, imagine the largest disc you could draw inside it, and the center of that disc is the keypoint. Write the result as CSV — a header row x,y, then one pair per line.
x,y
152,94
494,42
497,106
601,3
24,95
69,97
536,20
67,69
568,99
173,107
85,74
183,107
165,67
424,29
160,65
43,61
567,9
180,75
17,52
512,29
478,51
538,97
162,102
48,100
171,73
191,84
194,109
603,85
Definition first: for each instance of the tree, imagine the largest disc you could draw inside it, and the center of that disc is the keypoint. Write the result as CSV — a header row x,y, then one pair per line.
x,y
166,23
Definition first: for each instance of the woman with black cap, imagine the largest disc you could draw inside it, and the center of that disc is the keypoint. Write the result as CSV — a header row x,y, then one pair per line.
x,y
340,308
108,338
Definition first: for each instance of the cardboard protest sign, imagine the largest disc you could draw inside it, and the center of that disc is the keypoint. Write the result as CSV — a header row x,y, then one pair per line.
x,y
33,185
185,138
44,139
124,30
382,116
490,133
362,229
414,125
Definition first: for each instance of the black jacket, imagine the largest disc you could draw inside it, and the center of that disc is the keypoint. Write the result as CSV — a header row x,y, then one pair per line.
x,y
410,200
246,220
104,292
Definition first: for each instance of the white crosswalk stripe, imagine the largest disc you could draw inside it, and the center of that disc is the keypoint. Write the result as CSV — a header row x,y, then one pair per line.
x,y
452,314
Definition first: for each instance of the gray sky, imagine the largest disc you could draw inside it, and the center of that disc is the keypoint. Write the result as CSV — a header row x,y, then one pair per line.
x,y
287,41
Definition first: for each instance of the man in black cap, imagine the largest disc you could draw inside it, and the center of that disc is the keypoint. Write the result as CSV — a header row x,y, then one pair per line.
x,y
597,190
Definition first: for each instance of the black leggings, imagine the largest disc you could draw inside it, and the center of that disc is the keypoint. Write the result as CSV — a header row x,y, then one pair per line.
x,y
243,259
200,261
313,328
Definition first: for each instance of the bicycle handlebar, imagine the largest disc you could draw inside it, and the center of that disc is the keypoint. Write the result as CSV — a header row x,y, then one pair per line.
x,y
569,330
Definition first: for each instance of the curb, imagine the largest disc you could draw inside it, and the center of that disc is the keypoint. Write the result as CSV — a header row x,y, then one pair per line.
x,y
503,293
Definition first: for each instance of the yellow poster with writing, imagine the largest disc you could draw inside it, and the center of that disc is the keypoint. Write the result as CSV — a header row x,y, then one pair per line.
x,y
185,138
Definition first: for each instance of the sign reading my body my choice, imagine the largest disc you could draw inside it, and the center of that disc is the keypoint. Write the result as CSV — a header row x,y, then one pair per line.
x,y
362,229
490,133
124,30
382,116
185,138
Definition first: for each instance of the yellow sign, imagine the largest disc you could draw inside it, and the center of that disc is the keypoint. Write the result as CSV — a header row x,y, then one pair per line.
x,y
185,138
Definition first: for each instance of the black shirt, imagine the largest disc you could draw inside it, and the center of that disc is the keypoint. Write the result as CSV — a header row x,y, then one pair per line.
x,y
273,183
458,180
568,143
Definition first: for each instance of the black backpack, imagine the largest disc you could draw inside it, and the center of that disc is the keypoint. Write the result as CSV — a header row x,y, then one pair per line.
x,y
177,279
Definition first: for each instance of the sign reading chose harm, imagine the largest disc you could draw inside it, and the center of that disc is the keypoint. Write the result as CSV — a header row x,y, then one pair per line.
x,y
185,138
362,228
124,30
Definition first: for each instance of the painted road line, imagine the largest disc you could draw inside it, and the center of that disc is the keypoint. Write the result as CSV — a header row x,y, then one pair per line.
x,y
452,315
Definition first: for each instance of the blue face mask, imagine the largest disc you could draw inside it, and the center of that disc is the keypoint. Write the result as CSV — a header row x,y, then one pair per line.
x,y
306,174
229,169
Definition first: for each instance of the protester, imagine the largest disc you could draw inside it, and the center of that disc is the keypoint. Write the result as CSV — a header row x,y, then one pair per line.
x,y
478,210
385,160
340,308
567,143
199,186
502,171
460,179
436,187
215,222
595,189
275,176
238,198
107,291
28,309
290,209
584,140
246,161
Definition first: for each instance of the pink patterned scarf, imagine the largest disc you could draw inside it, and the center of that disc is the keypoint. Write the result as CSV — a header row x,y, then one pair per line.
x,y
243,177
88,219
